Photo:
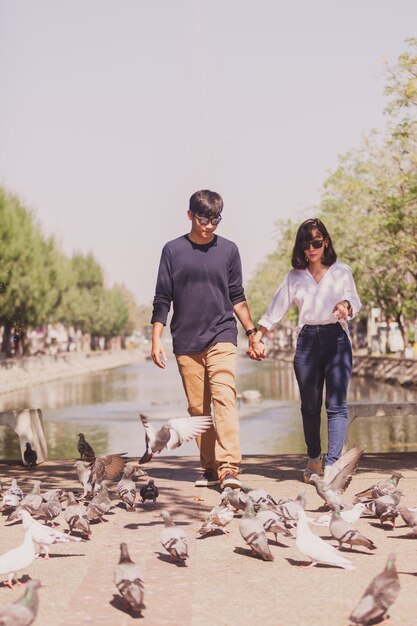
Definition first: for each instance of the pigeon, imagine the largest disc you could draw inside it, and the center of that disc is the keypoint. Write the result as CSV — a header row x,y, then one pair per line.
x,y
24,610
173,539
300,498
289,510
84,448
129,581
101,468
217,519
253,532
259,495
236,498
149,492
272,522
172,434
315,548
382,488
349,515
126,488
53,494
12,497
340,474
17,559
43,535
31,501
76,517
410,518
344,532
329,495
99,505
49,511
30,456
382,591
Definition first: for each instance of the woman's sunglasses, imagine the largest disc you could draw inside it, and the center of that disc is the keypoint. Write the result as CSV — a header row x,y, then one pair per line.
x,y
316,243
206,220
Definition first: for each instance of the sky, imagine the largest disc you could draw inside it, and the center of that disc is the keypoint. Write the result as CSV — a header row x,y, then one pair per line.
x,y
113,113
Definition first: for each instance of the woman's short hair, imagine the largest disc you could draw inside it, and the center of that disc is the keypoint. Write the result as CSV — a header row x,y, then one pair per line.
x,y
206,203
304,233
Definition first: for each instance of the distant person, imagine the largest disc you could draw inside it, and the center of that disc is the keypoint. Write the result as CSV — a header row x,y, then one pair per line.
x,y
323,290
200,274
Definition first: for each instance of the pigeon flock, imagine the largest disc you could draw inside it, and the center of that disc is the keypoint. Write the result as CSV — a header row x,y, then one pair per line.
x,y
110,483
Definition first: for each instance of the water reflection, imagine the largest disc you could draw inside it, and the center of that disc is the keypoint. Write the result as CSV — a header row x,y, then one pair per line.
x,y
105,406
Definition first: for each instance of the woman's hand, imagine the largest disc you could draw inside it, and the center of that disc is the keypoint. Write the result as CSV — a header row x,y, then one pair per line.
x,y
342,310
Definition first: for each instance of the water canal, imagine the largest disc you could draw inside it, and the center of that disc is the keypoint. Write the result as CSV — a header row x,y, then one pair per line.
x,y
105,406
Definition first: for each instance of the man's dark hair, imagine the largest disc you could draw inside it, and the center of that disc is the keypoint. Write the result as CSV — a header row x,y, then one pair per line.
x,y
304,233
206,203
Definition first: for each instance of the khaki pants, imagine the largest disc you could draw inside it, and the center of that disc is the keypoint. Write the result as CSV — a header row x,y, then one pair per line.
x,y
209,378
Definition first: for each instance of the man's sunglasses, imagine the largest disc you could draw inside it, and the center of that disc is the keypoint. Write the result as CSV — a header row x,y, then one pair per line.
x,y
316,243
206,220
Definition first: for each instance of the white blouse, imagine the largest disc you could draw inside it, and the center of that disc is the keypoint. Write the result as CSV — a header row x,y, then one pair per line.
x,y
315,301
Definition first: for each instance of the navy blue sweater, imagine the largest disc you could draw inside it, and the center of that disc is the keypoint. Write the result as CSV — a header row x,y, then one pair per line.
x,y
203,282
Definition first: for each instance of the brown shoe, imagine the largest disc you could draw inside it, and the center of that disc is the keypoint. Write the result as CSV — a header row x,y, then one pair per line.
x,y
314,466
229,478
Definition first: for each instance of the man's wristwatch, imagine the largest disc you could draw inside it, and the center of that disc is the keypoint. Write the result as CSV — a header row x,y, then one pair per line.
x,y
251,331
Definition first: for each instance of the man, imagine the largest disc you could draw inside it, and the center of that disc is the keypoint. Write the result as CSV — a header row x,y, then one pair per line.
x,y
200,274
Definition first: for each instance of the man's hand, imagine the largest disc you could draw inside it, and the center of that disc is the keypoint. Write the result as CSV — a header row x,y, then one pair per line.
x,y
158,354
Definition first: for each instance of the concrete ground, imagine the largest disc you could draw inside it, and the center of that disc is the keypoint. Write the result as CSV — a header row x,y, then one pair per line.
x,y
222,583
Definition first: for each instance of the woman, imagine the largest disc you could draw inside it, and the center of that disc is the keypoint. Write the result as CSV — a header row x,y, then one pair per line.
x,y
323,290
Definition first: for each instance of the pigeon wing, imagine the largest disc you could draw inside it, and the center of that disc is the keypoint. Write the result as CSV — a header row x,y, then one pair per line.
x,y
106,467
184,429
343,470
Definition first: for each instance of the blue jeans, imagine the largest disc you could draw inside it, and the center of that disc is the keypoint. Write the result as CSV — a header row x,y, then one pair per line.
x,y
323,355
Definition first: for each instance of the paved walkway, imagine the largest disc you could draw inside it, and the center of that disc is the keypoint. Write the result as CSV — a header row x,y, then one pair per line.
x,y
221,584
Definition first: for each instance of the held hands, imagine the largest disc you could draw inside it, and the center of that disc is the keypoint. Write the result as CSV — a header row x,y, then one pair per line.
x,y
342,310
256,349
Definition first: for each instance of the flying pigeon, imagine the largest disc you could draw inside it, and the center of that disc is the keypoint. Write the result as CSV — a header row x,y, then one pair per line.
x,y
17,559
129,580
340,474
76,517
252,530
344,532
43,535
382,488
149,492
329,495
173,539
30,456
378,597
315,548
172,434
101,468
84,448
410,518
217,519
24,610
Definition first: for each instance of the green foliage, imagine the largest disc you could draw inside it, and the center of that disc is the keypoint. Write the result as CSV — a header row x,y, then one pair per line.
x,y
369,205
39,284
